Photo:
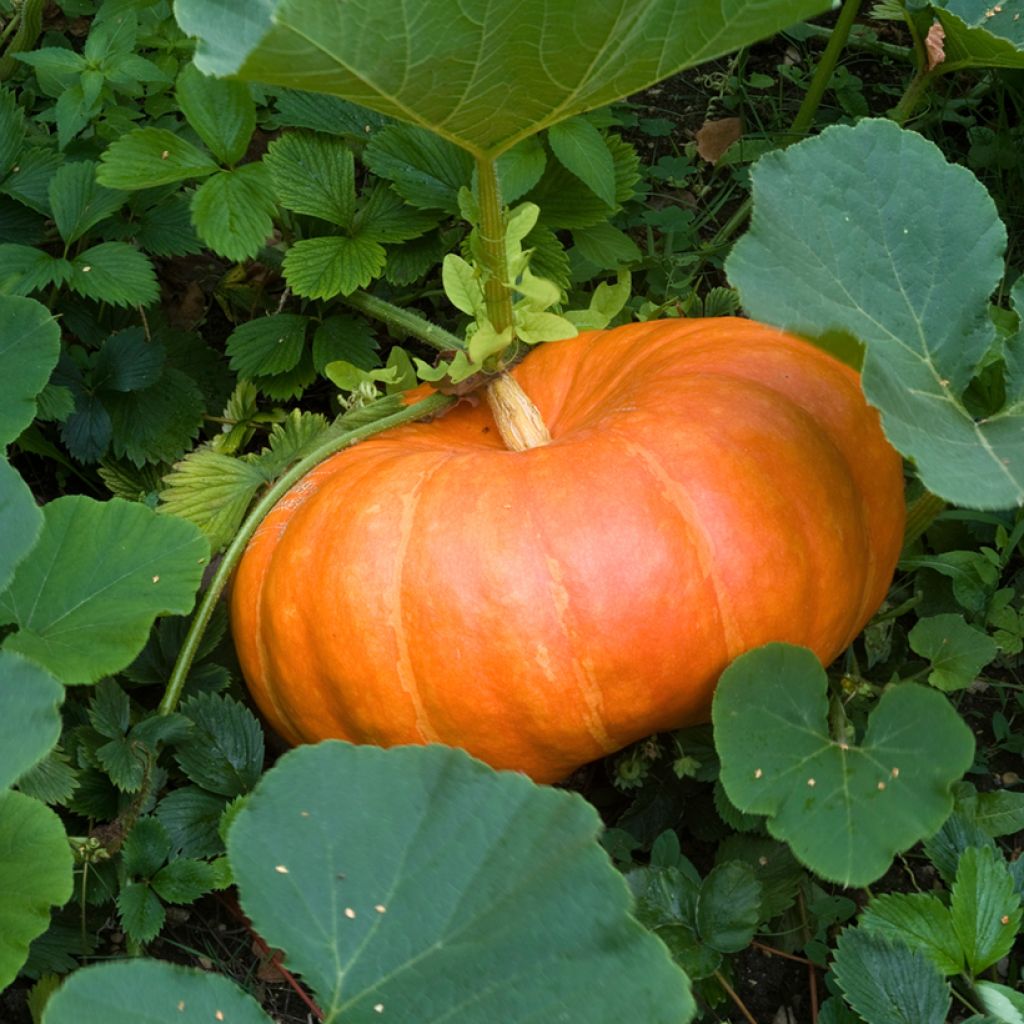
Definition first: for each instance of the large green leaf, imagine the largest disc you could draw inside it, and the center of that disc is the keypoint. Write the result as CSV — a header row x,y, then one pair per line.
x,y
884,240
86,596
150,992
29,348
20,521
981,33
30,700
482,73
845,810
417,884
35,875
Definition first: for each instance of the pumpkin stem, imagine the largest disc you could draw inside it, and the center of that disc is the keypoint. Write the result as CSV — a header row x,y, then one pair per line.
x,y
519,421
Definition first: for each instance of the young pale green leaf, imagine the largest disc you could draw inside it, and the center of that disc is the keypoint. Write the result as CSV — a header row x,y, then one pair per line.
x,y
78,202
348,338
212,490
114,272
25,269
580,148
844,810
158,423
914,289
462,285
351,378
889,983
270,344
29,348
920,921
85,597
418,65
142,913
321,268
221,112
30,722
150,157
224,753
984,907
957,651
12,130
113,993
536,327
981,35
729,907
36,876
314,175
233,211
426,171
1005,1004
361,883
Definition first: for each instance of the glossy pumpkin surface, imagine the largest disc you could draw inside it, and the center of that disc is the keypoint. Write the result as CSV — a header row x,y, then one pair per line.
x,y
710,486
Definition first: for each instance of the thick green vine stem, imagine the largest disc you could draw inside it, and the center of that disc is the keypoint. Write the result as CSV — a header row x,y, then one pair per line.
x,y
405,320
497,294
233,554
26,24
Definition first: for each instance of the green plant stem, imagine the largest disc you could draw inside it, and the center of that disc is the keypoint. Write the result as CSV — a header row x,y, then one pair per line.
x,y
805,115
921,513
497,294
405,320
826,68
26,24
912,97
734,996
233,554
861,42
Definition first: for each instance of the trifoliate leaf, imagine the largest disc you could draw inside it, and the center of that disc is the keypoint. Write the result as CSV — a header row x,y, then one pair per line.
x,y
12,130
166,229
301,109
120,565
844,809
29,348
190,816
268,345
142,913
233,211
78,202
110,710
29,181
563,204
957,651
426,170
116,273
124,762
128,361
225,752
314,174
581,149
984,907
184,880
213,491
384,217
25,269
919,920
345,337
889,983
321,268
221,112
148,157
51,780
158,423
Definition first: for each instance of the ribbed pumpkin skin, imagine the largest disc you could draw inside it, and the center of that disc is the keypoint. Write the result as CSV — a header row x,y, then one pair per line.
x,y
711,485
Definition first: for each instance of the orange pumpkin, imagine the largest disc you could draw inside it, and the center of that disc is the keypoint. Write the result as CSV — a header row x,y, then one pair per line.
x,y
710,486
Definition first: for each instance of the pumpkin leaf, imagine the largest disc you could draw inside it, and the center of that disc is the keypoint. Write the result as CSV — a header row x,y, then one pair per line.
x,y
415,63
36,876
20,521
844,810
913,288
980,34
113,993
85,597
957,651
383,914
30,722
